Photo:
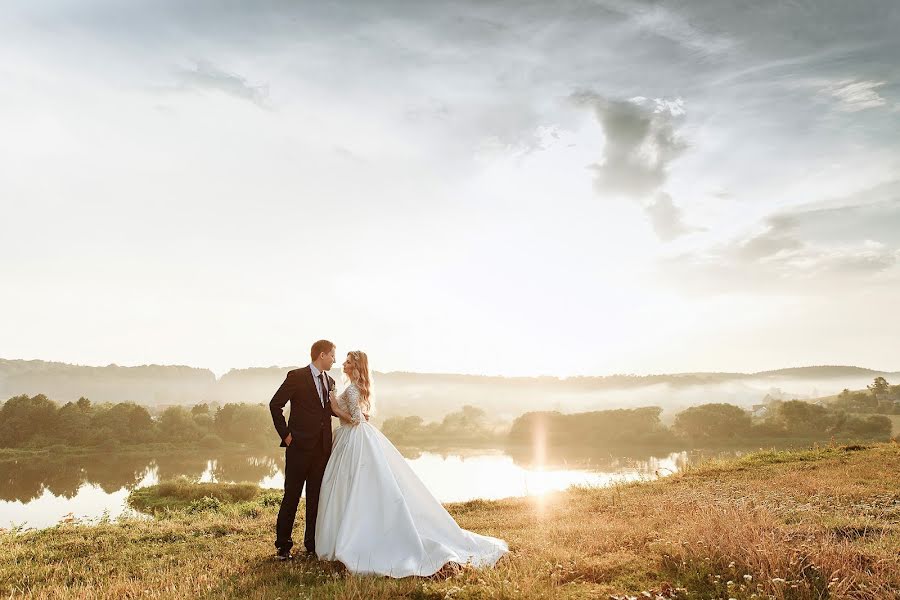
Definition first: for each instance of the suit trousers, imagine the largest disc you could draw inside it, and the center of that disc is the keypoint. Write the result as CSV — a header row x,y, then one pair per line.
x,y
306,465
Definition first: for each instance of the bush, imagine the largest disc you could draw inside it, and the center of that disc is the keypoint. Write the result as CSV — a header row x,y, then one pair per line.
x,y
110,444
205,504
249,509
713,422
271,498
211,441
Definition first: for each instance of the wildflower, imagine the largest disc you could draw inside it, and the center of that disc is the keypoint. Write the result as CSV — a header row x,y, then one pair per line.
x,y
778,580
748,578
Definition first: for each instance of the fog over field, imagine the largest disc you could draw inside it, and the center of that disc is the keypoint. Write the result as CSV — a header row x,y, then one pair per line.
x,y
432,396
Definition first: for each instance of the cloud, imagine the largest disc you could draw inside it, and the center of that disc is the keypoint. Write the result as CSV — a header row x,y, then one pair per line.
x,y
206,76
777,239
872,213
640,144
658,20
785,256
666,218
868,257
780,250
854,96
843,242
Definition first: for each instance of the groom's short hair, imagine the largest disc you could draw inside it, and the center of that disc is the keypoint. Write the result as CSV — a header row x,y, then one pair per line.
x,y
320,347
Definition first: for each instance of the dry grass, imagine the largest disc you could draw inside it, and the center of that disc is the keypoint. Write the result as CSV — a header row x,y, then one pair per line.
x,y
816,524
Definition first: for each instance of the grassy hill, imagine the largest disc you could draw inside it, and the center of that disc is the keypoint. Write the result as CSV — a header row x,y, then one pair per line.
x,y
815,523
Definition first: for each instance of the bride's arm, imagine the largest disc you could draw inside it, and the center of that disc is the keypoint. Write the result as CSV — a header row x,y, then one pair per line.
x,y
341,414
353,402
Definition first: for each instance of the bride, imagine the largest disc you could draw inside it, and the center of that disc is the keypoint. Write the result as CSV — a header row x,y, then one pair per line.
x,y
375,515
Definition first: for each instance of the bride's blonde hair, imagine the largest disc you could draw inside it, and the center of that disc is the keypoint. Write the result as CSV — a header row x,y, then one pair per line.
x,y
360,376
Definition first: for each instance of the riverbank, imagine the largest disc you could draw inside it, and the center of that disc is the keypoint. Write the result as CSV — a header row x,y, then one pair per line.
x,y
522,450
796,524
149,449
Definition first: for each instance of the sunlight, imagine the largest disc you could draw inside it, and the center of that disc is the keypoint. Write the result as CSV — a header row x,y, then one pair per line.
x,y
539,484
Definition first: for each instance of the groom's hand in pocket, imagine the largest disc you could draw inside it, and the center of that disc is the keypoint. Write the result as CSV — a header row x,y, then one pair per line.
x,y
288,439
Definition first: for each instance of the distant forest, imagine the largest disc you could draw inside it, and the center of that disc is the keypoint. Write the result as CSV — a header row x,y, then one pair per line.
x,y
712,424
36,422
430,396
159,385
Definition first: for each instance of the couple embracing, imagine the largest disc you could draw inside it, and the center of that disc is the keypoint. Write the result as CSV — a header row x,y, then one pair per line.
x,y
365,507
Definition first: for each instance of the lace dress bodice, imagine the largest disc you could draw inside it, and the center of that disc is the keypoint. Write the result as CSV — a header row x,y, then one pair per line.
x,y
348,400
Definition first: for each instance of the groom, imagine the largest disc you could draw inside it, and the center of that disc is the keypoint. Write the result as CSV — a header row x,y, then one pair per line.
x,y
306,438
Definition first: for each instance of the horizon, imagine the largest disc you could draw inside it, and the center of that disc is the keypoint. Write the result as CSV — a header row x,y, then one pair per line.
x,y
218,375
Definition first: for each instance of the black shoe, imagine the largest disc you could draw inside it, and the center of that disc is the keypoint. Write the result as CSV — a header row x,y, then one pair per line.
x,y
284,554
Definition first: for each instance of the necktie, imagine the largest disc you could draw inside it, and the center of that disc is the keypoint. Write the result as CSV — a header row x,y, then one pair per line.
x,y
324,389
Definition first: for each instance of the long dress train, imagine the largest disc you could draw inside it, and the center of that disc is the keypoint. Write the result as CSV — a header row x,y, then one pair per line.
x,y
376,516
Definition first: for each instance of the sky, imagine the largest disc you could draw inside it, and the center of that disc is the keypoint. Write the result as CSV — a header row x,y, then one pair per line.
x,y
486,187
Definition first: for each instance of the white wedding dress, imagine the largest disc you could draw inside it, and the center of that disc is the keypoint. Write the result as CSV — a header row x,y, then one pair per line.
x,y
376,516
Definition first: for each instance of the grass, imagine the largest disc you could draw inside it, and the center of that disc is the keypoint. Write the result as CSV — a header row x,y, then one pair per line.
x,y
814,523
182,494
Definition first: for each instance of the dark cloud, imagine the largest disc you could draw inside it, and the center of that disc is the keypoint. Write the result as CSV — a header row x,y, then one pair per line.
x,y
206,76
493,64
640,144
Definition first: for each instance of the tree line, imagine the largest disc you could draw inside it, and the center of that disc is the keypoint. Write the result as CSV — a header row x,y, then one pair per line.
x,y
36,421
715,423
880,397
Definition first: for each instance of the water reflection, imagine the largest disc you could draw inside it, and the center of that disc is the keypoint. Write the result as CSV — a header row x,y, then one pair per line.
x,y
42,491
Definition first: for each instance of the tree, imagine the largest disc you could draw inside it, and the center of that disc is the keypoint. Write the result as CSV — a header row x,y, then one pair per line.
x,y
75,422
879,387
713,422
803,418
23,419
245,423
125,422
177,425
470,421
617,426
874,425
402,429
